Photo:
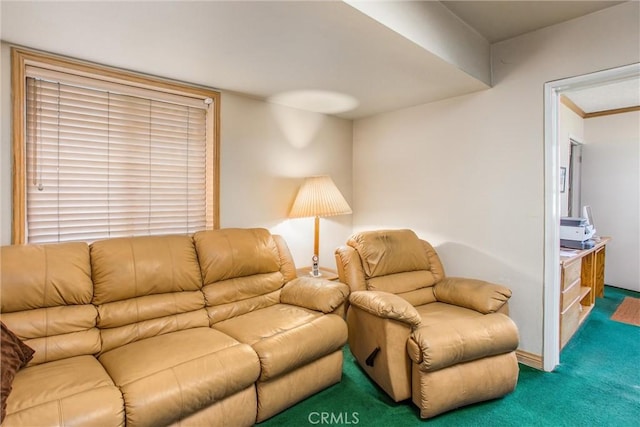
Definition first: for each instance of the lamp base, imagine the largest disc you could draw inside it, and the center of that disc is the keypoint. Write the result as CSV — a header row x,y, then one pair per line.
x,y
315,271
325,273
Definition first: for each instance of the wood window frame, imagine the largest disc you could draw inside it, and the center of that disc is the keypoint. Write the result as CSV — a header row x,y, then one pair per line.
x,y
21,58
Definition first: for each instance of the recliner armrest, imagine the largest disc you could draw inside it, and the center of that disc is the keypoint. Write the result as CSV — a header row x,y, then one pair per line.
x,y
315,294
478,295
438,346
386,305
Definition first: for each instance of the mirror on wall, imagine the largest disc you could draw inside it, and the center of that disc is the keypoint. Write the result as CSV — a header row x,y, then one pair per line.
x,y
574,178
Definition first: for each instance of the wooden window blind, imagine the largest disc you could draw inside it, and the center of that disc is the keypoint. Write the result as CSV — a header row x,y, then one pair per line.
x,y
106,159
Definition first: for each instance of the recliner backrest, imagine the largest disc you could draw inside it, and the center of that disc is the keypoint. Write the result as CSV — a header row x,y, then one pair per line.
x,y
146,286
46,299
243,269
397,261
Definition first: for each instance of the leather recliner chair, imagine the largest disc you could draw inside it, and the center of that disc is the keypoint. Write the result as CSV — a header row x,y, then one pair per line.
x,y
445,342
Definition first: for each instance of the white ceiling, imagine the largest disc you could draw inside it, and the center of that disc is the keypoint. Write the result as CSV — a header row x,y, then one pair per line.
x,y
606,97
501,20
318,51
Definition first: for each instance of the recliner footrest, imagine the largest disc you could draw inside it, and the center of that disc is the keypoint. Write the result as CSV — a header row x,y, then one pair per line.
x,y
434,347
463,384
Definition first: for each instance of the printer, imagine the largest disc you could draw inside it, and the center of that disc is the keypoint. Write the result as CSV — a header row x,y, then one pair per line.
x,y
576,233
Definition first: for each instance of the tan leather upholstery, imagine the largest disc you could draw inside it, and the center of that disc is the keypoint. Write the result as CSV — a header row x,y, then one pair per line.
x,y
440,312
155,330
386,305
463,384
232,411
194,368
474,294
392,368
396,262
441,345
253,296
284,391
46,301
58,393
211,329
315,294
37,276
443,341
146,286
238,265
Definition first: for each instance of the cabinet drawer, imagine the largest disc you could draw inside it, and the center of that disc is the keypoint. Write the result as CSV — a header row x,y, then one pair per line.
x,y
569,320
571,273
569,295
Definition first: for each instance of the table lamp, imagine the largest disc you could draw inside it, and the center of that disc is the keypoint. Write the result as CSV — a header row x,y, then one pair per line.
x,y
318,196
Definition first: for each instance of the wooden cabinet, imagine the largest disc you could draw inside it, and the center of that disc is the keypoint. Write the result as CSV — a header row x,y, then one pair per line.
x,y
599,272
581,281
572,296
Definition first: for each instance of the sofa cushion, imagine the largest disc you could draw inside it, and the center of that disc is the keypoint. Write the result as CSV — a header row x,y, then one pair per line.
x,y
220,312
14,354
133,267
242,288
243,269
57,332
396,261
236,252
439,312
386,252
419,296
72,391
169,377
146,286
404,282
37,276
46,299
286,337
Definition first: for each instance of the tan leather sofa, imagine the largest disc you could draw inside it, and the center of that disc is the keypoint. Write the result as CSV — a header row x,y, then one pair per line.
x,y
211,329
444,342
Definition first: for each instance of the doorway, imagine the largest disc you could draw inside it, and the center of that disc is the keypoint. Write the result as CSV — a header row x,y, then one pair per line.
x,y
552,210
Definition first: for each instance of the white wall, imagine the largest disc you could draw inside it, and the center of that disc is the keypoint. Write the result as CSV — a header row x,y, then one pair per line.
x,y
467,173
435,28
266,150
611,186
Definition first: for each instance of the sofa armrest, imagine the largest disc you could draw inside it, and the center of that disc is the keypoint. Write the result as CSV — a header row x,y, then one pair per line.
x,y
438,346
474,294
315,294
386,305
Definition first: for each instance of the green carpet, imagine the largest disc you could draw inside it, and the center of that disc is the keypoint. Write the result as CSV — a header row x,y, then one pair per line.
x,y
596,384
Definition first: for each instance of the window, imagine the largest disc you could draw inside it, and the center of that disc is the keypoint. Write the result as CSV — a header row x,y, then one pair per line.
x,y
100,152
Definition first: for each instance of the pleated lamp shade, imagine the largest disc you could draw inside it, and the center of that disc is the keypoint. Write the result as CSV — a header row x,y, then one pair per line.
x,y
319,196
